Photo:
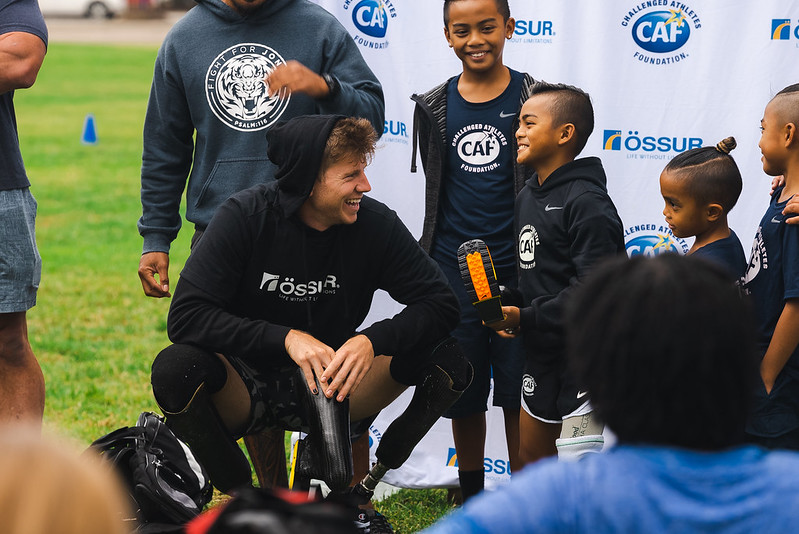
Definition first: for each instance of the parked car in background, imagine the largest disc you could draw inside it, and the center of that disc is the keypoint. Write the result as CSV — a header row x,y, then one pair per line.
x,y
179,5
83,8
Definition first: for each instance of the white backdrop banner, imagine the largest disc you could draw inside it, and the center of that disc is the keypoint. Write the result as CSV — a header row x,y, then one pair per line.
x,y
664,76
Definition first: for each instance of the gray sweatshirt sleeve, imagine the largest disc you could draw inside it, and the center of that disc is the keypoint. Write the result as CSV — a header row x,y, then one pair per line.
x,y
361,94
167,155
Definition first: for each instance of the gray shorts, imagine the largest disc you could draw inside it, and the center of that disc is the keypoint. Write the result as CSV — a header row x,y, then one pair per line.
x,y
20,262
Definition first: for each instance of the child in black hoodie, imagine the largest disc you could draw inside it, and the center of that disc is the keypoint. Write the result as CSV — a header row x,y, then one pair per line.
x,y
565,222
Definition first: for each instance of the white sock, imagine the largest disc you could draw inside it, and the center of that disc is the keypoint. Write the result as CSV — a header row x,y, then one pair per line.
x,y
572,449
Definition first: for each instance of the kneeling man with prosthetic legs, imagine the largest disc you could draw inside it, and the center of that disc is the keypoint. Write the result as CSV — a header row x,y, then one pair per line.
x,y
264,317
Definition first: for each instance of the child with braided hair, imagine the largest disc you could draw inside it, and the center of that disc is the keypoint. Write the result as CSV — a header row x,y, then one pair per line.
x,y
700,187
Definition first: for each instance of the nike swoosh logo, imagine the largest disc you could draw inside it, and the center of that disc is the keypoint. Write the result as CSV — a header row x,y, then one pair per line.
x,y
503,115
581,394
775,220
550,208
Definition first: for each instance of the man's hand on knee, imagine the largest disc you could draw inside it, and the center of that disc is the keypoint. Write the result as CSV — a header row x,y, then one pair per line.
x,y
311,355
350,364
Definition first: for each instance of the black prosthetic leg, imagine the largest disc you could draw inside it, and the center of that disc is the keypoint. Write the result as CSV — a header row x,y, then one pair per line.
x,y
199,425
326,453
442,383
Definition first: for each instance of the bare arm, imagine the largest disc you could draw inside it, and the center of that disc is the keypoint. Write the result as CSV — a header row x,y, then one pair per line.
x,y
783,342
21,56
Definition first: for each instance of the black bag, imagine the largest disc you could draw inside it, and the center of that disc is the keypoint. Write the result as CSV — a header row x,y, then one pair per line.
x,y
164,479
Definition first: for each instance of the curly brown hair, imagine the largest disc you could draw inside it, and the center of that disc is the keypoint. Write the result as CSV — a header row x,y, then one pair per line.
x,y
350,138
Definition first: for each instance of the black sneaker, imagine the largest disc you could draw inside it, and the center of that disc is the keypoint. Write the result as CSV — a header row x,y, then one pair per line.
x,y
378,523
362,521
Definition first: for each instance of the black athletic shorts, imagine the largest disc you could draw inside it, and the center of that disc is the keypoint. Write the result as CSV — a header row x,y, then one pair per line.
x,y
548,390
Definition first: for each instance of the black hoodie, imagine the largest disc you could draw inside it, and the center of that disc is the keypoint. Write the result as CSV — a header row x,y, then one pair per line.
x,y
563,228
258,271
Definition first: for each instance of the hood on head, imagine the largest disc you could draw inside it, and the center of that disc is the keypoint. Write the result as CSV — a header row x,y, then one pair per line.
x,y
296,147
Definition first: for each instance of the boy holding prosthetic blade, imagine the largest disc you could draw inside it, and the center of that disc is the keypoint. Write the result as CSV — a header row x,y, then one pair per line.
x,y
565,223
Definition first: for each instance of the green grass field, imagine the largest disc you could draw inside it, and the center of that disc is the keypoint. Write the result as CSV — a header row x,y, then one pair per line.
x,y
93,330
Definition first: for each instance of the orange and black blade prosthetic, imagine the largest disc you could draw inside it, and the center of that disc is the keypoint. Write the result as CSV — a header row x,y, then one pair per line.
x,y
480,279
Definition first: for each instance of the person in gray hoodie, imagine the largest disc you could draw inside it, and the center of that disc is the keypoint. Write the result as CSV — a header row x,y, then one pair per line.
x,y
226,72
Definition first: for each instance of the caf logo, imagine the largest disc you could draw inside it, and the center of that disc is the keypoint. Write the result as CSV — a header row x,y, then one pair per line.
x,y
528,240
528,385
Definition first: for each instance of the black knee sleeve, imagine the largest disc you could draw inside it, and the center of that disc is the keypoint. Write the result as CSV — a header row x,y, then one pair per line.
x,y
412,368
449,357
179,370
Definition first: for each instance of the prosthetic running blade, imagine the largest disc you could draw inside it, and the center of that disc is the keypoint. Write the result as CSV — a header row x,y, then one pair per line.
x,y
480,279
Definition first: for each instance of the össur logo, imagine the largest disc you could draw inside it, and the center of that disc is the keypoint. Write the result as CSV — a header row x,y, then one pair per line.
x,y
652,239
496,466
533,32
395,131
287,288
661,34
371,20
452,458
478,147
781,30
236,91
642,146
374,437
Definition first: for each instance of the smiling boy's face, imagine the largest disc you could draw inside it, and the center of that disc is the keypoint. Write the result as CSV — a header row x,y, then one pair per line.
x,y
538,136
476,32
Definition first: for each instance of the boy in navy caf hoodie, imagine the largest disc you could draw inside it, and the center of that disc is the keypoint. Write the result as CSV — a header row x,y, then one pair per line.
x,y
565,223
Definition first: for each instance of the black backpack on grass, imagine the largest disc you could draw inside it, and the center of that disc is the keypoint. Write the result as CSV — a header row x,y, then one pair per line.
x,y
165,481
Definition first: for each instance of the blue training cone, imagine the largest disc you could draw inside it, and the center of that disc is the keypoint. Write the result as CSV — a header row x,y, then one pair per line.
x,y
89,136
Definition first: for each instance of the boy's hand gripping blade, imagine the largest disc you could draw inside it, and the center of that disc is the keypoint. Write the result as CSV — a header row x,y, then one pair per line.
x,y
480,279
